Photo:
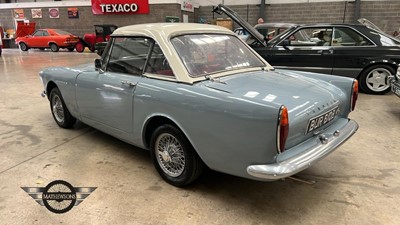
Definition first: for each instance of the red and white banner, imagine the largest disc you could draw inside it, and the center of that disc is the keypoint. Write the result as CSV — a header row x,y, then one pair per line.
x,y
120,6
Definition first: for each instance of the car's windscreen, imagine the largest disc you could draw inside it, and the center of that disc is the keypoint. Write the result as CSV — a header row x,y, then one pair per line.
x,y
280,36
61,32
205,54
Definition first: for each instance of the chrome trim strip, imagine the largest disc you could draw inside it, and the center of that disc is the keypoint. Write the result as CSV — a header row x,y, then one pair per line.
x,y
314,68
304,160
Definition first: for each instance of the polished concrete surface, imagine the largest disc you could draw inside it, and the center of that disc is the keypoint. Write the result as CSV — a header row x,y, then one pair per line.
x,y
358,184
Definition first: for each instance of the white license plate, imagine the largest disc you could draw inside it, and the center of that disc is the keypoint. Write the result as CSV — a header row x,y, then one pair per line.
x,y
396,89
321,120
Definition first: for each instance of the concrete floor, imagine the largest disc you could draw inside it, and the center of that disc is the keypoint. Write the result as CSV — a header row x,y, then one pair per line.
x,y
357,184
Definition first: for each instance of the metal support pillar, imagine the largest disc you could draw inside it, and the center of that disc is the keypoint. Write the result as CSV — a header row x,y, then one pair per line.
x,y
357,10
262,10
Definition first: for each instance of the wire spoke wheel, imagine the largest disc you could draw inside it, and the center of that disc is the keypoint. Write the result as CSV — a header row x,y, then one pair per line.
x,y
173,156
170,155
58,109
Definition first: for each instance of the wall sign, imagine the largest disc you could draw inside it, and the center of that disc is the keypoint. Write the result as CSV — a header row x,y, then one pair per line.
x,y
36,13
19,14
120,6
187,6
73,13
54,13
172,19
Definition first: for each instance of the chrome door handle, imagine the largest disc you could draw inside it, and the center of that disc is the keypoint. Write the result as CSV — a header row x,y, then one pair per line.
x,y
125,82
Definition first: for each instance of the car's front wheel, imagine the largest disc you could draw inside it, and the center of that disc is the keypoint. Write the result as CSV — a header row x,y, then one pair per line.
x,y
23,46
174,157
60,112
375,80
54,47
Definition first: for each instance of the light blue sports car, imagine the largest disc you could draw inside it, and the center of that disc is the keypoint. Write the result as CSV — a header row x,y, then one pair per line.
x,y
196,95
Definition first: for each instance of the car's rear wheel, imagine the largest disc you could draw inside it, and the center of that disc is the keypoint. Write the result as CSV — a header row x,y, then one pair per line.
x,y
174,157
23,46
374,80
54,47
79,47
60,112
71,49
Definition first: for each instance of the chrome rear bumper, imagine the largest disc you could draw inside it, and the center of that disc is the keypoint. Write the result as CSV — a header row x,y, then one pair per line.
x,y
327,143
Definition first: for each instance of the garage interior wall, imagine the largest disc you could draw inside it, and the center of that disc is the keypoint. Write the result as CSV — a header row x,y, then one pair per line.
x,y
384,14
84,24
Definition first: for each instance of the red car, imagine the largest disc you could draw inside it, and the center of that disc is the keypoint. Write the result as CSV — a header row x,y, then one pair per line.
x,y
48,38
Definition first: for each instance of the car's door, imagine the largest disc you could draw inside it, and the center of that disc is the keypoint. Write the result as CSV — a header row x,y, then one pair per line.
x,y
34,40
105,97
353,51
306,48
45,39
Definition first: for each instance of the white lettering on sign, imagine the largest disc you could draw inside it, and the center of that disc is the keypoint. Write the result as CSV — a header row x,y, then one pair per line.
x,y
116,8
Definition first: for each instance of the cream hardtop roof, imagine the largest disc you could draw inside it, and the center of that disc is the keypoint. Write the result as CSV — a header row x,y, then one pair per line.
x,y
168,29
162,32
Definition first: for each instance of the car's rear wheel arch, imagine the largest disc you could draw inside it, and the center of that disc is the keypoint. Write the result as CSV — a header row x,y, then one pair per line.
x,y
392,65
152,124
54,47
373,66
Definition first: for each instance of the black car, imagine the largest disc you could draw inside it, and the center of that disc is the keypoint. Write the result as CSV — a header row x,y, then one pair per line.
x,y
350,50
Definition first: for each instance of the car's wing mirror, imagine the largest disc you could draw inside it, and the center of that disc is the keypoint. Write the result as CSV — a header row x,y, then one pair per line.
x,y
97,64
285,43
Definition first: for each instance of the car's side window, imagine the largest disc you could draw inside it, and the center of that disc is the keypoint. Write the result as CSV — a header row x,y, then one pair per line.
x,y
344,36
45,33
129,54
157,63
310,36
38,33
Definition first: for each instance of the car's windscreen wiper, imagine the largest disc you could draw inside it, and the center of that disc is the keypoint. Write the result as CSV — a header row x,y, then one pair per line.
x,y
208,77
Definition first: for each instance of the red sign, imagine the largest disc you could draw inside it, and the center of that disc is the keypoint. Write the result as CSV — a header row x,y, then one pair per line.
x,y
120,6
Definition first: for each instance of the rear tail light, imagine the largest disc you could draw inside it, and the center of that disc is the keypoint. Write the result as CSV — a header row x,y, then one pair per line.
x,y
354,95
283,129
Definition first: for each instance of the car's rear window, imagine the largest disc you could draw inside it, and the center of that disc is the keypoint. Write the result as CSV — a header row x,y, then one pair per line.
x,y
205,54
62,32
